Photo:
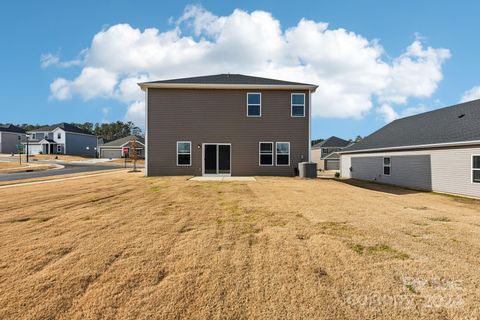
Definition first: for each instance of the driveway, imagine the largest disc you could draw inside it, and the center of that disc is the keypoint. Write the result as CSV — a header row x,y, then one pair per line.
x,y
68,169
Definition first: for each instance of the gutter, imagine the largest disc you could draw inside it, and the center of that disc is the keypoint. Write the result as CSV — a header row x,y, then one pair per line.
x,y
205,86
420,146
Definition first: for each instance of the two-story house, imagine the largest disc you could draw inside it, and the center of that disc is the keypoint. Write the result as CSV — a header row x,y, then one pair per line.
x,y
61,138
226,124
10,137
325,153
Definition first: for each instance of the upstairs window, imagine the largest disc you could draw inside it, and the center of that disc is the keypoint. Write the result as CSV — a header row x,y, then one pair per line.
x,y
184,153
59,135
298,104
254,104
283,153
476,169
387,166
266,153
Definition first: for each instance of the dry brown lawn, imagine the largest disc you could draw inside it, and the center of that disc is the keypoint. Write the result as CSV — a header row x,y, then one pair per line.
x,y
58,156
122,246
8,165
140,162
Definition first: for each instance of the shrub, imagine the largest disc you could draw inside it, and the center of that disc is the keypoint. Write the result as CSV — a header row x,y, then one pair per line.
x,y
337,174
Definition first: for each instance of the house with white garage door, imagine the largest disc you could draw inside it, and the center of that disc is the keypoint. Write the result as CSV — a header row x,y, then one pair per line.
x,y
61,138
122,147
325,153
435,151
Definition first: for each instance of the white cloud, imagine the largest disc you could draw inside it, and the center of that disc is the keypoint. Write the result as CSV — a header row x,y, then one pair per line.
x,y
472,94
136,113
92,82
389,114
416,73
352,71
50,59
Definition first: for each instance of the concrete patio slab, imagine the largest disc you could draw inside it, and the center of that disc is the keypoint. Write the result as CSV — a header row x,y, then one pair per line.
x,y
223,179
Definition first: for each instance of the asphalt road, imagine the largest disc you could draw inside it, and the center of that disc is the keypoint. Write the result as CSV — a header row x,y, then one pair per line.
x,y
69,168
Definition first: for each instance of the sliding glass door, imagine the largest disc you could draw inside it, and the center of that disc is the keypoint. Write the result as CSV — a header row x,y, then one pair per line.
x,y
216,159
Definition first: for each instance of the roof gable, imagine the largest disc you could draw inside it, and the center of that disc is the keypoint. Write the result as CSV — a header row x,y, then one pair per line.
x,y
11,128
122,141
454,124
332,142
67,127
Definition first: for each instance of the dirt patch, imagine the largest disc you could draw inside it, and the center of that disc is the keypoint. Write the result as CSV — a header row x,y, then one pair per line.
x,y
121,246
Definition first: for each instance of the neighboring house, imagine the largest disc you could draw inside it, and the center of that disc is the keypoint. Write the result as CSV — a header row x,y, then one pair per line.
x,y
10,137
437,150
116,148
62,138
323,153
226,124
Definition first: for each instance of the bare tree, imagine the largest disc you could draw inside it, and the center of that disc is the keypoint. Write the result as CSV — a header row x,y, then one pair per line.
x,y
133,153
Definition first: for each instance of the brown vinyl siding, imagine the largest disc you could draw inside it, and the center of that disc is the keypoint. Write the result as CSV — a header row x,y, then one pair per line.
x,y
220,116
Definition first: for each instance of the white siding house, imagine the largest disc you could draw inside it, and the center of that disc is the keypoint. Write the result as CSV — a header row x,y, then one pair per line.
x,y
62,138
435,151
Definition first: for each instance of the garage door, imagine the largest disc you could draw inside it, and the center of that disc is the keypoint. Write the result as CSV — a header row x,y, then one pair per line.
x,y
332,165
106,153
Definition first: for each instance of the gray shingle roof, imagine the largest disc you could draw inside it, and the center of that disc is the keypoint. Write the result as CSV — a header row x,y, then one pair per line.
x,y
120,142
227,78
11,128
332,142
67,127
457,123
333,156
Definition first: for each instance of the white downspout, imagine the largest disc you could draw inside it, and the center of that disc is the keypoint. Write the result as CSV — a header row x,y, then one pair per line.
x,y
146,131
309,125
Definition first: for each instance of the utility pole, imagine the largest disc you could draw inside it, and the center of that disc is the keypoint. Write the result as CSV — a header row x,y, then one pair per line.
x,y
28,136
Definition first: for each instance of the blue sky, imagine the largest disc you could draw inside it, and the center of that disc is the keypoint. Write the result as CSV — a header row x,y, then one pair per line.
x,y
60,30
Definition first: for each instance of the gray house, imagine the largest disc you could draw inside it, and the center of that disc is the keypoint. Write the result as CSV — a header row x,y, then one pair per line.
x,y
437,150
226,124
10,137
62,138
324,153
121,147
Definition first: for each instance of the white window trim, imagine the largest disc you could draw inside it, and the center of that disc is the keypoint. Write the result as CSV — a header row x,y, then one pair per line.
x,y
255,104
385,165
59,148
276,154
297,104
474,169
190,153
260,154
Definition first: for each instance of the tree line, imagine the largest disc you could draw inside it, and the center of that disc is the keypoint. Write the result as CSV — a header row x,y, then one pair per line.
x,y
107,131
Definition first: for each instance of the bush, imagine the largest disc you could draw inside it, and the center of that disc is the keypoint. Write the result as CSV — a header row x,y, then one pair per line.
x,y
337,174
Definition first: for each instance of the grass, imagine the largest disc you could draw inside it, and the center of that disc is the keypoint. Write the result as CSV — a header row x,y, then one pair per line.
x,y
440,219
120,246
9,165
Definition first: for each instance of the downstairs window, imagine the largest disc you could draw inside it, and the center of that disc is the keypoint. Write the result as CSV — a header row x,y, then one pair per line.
x,y
283,153
476,169
387,166
266,154
184,153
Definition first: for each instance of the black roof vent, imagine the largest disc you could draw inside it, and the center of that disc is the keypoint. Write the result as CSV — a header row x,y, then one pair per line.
x,y
461,116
